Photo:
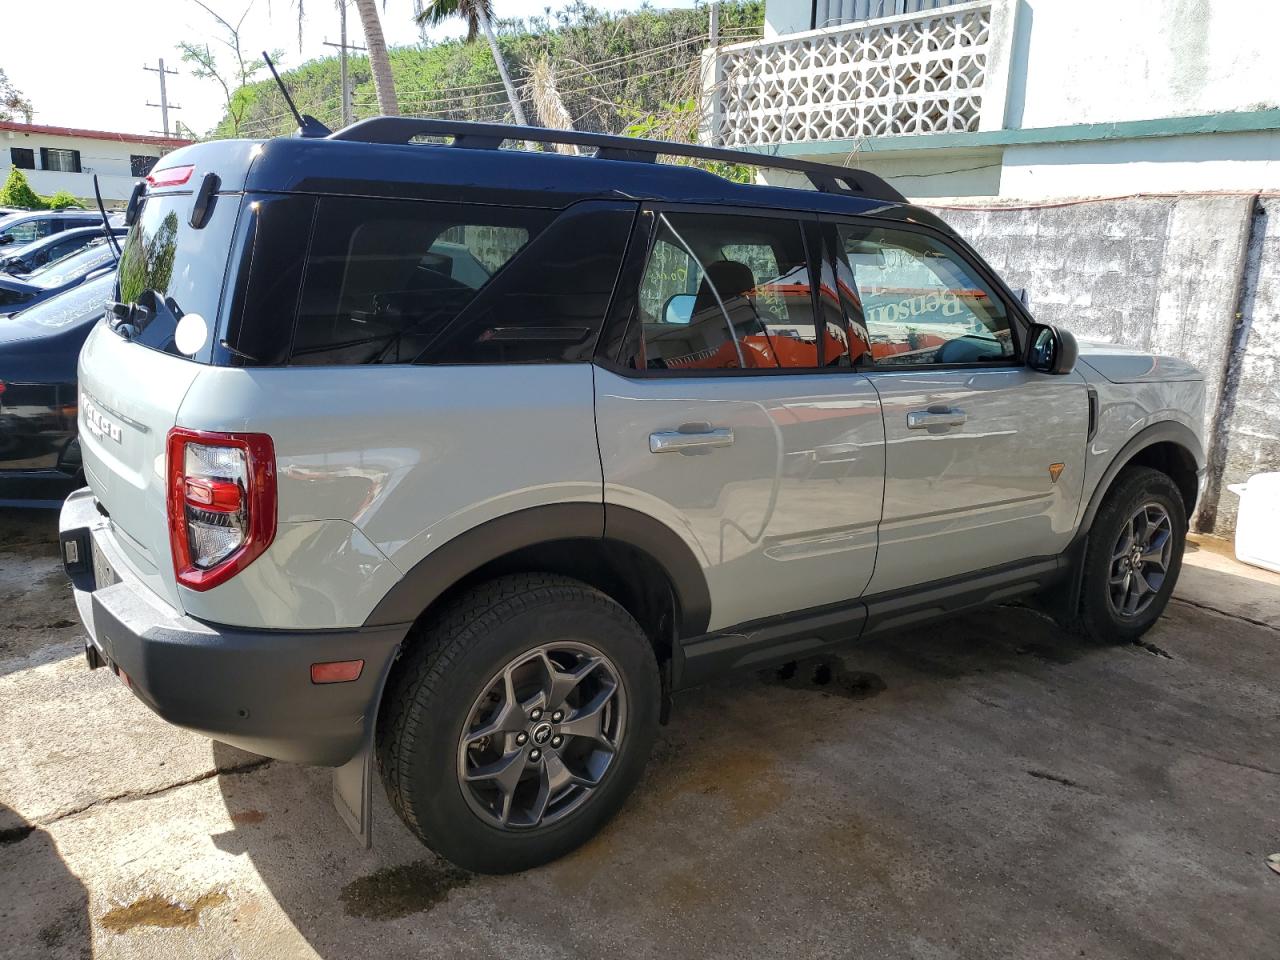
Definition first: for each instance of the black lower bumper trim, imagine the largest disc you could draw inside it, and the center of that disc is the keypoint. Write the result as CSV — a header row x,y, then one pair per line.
x,y
249,688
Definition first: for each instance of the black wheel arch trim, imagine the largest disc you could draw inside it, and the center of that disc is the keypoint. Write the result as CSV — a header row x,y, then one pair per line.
x,y
449,563
1166,431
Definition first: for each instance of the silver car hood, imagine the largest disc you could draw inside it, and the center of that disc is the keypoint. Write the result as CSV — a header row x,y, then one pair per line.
x,y
1121,364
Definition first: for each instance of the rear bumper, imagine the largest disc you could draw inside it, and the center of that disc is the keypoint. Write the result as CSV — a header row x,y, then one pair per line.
x,y
249,688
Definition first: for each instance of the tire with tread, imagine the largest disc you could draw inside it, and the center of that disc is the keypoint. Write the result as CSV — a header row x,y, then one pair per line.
x,y
1133,487
445,668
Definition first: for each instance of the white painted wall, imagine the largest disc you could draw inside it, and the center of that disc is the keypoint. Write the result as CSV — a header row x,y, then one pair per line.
x,y
107,158
786,16
1091,61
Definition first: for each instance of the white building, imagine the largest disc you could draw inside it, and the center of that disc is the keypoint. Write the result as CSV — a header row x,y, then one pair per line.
x,y
1020,99
63,158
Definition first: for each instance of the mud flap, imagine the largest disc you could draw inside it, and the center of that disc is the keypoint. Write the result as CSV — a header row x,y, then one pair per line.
x,y
353,791
353,781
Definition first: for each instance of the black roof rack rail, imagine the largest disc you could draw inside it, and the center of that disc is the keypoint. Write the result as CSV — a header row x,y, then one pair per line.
x,y
489,136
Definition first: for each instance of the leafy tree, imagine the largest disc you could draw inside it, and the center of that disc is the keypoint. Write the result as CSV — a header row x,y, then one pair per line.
x,y
478,16
12,101
17,192
233,78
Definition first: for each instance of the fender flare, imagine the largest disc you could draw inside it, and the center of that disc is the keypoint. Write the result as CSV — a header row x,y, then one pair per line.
x,y
443,567
1166,431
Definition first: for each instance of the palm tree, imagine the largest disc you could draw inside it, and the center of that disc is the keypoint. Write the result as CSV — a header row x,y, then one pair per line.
x,y
479,17
379,63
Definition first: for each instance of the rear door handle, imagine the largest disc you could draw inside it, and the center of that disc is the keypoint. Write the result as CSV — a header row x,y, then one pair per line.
x,y
936,417
679,441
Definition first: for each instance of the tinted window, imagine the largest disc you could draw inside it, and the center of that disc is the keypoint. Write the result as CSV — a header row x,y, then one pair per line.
x,y
25,231
24,158
384,278
724,292
548,305
172,269
72,266
920,302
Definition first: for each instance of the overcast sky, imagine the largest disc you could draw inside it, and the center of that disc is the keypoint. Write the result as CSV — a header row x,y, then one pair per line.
x,y
84,67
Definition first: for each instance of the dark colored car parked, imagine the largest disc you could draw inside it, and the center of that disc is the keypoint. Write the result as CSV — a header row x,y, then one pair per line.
x,y
28,226
45,283
39,452
33,256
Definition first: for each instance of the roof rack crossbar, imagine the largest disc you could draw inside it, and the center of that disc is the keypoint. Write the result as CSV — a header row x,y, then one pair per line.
x,y
827,178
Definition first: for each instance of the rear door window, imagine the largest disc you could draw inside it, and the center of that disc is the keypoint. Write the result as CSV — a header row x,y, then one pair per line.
x,y
730,292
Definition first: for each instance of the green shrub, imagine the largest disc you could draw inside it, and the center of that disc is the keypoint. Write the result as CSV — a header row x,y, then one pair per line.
x,y
62,200
17,192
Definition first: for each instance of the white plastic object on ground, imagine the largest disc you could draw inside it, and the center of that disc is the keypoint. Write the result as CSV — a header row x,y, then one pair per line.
x,y
1258,522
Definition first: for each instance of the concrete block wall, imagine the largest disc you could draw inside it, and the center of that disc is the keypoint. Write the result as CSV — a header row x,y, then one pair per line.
x,y
1167,275
1251,442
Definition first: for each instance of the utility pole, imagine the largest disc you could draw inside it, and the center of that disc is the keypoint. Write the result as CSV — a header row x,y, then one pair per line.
x,y
713,25
343,47
164,104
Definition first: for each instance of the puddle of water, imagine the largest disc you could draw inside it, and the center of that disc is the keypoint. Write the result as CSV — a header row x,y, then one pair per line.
x,y
158,911
395,892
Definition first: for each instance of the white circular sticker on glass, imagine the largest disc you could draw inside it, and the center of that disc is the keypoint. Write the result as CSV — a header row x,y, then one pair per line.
x,y
191,333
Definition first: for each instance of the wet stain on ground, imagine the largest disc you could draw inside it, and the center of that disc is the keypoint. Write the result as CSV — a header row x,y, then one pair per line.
x,y
827,676
395,892
246,817
158,911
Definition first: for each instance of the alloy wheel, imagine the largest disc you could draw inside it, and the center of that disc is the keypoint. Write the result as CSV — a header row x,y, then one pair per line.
x,y
541,737
1140,560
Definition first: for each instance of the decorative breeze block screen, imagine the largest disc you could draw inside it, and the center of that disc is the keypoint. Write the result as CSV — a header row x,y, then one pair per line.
x,y
918,74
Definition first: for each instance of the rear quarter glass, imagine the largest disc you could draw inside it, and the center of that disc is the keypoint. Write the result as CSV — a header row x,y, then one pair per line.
x,y
174,269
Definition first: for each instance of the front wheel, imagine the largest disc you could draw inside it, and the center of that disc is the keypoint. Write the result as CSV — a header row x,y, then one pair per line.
x,y
519,723
1134,556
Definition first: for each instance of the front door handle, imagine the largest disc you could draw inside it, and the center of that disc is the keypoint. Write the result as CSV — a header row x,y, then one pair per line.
x,y
936,417
690,440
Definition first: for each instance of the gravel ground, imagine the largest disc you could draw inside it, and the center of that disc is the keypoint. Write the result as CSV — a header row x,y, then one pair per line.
x,y
988,788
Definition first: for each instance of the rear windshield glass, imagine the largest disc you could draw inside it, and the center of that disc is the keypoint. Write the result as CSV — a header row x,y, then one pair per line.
x,y
172,269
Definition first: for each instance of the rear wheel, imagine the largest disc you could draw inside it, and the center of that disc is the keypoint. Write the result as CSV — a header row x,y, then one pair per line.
x,y
1134,556
519,723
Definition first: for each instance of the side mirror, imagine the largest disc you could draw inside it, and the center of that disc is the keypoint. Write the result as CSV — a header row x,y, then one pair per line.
x,y
679,309
1052,350
7,238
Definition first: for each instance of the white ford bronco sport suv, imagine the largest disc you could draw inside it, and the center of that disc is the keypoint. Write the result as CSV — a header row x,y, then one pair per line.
x,y
448,464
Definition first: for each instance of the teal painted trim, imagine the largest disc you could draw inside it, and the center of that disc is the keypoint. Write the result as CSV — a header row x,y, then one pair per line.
x,y
1248,122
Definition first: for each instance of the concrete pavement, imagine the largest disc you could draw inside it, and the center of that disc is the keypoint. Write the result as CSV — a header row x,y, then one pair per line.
x,y
991,788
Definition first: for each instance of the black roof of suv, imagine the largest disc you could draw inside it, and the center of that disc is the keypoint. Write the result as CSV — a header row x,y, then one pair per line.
x,y
387,157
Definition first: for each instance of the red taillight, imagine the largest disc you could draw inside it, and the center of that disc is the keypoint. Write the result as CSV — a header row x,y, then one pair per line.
x,y
171,176
222,503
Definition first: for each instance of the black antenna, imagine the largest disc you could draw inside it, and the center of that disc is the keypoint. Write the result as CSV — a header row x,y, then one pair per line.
x,y
308,126
106,222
